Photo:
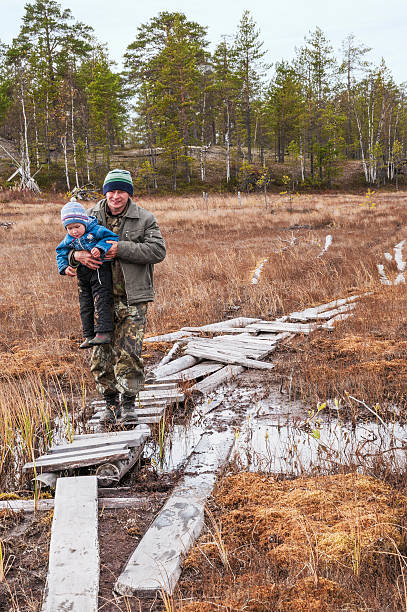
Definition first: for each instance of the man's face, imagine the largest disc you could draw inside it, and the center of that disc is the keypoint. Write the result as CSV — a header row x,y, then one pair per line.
x,y
116,201
76,230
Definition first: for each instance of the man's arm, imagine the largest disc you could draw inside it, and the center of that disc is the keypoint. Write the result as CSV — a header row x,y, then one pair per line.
x,y
85,258
150,250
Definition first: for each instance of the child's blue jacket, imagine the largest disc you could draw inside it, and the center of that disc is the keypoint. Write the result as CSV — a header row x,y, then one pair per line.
x,y
95,236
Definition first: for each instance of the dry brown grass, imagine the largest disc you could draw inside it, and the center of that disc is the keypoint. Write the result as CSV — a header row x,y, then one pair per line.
x,y
309,544
212,252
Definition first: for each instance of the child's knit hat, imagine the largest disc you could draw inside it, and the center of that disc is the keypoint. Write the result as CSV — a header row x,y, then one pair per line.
x,y
74,212
118,179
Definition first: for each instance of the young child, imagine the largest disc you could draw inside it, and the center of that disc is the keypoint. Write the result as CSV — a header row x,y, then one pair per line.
x,y
95,286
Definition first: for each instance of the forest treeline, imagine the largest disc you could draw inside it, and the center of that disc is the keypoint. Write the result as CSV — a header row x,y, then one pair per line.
x,y
65,106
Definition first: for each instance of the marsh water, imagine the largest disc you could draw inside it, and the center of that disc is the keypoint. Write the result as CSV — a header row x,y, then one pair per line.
x,y
275,435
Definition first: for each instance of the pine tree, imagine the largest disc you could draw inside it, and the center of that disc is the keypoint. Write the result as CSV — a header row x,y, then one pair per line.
x,y
249,70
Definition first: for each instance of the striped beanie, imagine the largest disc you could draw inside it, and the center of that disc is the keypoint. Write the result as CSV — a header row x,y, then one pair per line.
x,y
118,179
74,212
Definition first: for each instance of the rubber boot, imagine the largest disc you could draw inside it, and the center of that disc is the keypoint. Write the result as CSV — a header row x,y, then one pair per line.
x,y
111,412
127,408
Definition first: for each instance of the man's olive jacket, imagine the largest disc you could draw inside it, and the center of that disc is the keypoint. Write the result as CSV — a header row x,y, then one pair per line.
x,y
140,246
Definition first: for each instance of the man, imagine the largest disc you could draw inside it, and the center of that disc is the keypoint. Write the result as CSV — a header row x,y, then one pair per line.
x,y
118,367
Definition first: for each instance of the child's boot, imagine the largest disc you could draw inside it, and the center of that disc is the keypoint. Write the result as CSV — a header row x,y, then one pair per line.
x,y
101,338
87,343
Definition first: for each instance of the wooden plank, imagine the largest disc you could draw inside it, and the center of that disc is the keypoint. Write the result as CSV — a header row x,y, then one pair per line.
x,y
220,348
44,505
230,347
168,357
54,463
140,420
175,366
73,571
310,312
168,337
156,562
327,314
148,410
330,324
211,382
119,435
247,340
130,438
217,329
218,356
201,369
272,326
222,325
73,451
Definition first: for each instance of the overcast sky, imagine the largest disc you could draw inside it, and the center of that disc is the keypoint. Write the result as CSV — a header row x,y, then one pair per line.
x,y
283,25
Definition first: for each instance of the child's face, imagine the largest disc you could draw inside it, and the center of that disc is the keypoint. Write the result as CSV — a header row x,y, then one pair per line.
x,y
76,230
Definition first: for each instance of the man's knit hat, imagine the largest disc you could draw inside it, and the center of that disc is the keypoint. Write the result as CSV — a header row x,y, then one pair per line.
x,y
118,179
74,212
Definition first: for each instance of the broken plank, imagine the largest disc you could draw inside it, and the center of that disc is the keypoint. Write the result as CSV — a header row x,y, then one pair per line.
x,y
201,369
175,366
218,356
73,571
156,563
315,310
54,463
326,314
211,382
168,357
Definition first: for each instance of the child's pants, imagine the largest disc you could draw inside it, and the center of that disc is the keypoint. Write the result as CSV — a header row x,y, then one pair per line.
x,y
95,299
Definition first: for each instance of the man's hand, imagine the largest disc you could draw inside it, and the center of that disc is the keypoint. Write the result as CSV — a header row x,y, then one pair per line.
x,y
69,271
112,252
87,259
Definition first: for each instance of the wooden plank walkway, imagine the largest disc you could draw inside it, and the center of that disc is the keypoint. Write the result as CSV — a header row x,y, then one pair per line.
x,y
85,451
156,562
73,571
44,505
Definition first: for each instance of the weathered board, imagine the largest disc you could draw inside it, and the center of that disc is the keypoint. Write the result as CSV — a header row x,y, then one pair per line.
x,y
70,461
232,349
156,562
213,381
201,369
321,316
222,325
44,505
175,366
316,310
274,326
215,355
73,571
168,337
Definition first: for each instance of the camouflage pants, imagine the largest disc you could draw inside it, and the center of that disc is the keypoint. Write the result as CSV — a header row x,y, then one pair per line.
x,y
118,367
